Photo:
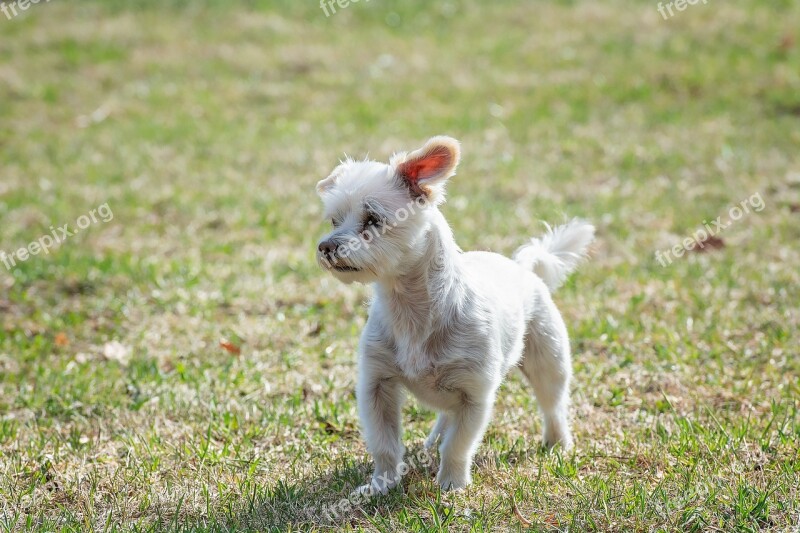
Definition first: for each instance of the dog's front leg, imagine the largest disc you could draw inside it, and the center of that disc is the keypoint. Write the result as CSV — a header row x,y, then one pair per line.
x,y
380,400
463,434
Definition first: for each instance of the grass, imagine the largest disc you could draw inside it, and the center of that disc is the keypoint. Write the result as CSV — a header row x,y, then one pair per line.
x,y
205,126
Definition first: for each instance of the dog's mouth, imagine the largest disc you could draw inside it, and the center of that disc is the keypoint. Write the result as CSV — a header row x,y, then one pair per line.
x,y
345,268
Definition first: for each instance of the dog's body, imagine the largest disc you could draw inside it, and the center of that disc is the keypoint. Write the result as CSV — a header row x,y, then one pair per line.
x,y
445,325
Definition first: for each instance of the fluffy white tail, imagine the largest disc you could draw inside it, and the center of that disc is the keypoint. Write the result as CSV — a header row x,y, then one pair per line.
x,y
556,255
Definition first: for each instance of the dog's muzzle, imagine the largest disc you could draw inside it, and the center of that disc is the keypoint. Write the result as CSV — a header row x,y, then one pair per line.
x,y
328,257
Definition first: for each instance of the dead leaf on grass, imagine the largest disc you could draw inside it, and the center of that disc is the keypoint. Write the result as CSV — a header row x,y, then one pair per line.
x,y
786,43
61,339
711,242
229,347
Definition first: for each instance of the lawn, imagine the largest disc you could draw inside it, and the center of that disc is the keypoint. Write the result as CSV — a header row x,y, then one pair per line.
x,y
180,362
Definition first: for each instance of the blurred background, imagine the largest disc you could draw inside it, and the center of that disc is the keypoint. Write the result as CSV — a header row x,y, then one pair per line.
x,y
176,359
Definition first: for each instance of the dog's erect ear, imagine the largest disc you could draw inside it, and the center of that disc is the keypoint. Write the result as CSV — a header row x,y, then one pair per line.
x,y
426,170
330,181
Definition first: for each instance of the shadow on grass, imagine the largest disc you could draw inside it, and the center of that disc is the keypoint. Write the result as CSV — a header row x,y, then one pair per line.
x,y
323,500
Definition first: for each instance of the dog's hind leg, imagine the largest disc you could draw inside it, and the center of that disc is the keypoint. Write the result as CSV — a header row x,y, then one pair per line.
x,y
439,428
460,441
547,365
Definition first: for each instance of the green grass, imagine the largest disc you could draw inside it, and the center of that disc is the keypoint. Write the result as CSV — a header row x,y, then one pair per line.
x,y
206,125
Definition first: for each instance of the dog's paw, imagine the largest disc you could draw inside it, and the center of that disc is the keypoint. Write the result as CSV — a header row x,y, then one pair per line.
x,y
380,484
369,490
564,443
449,481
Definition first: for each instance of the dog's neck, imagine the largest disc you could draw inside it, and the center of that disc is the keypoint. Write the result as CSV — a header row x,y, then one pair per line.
x,y
422,299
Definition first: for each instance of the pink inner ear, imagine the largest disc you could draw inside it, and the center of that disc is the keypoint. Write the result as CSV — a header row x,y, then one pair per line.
x,y
428,165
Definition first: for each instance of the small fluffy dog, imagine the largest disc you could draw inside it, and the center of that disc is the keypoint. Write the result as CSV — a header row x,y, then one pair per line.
x,y
445,325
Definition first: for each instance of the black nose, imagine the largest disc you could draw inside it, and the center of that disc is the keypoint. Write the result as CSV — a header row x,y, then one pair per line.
x,y
327,248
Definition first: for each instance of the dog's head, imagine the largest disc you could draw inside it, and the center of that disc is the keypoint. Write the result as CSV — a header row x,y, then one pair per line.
x,y
380,213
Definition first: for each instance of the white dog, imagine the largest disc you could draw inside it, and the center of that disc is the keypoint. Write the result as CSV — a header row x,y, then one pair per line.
x,y
444,324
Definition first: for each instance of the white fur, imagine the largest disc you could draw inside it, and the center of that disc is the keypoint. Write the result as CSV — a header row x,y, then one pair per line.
x,y
555,255
445,325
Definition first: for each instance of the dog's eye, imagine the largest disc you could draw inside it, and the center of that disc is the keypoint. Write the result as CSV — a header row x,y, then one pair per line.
x,y
373,220
335,223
